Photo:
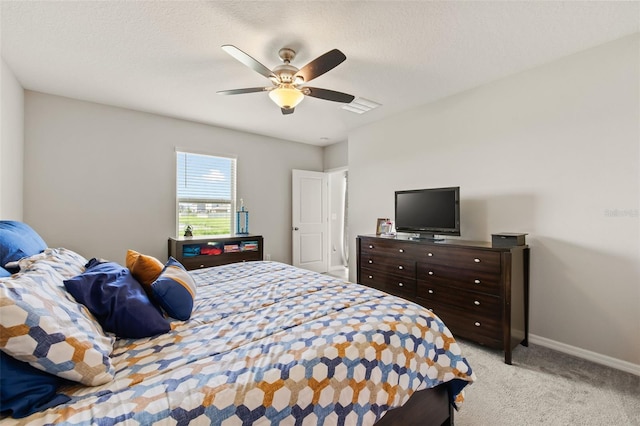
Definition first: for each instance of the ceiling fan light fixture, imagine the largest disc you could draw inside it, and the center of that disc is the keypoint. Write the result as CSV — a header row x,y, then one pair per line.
x,y
286,97
287,89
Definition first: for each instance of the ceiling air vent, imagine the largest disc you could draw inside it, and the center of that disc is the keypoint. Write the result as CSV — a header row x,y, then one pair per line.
x,y
361,105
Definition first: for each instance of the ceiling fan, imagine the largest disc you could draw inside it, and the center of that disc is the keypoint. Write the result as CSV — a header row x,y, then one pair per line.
x,y
288,82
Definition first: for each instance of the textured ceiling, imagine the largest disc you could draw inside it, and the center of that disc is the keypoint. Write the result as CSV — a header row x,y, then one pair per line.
x,y
165,57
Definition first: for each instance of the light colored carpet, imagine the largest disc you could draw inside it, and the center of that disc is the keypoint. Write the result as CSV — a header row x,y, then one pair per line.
x,y
545,387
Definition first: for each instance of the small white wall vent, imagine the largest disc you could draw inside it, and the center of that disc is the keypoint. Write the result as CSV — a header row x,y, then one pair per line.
x,y
361,105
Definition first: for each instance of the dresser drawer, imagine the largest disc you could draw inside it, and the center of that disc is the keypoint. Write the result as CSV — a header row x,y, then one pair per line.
x,y
393,248
484,330
199,262
390,283
480,304
481,281
399,266
476,260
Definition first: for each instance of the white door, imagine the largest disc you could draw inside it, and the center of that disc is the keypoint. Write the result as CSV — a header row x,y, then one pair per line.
x,y
310,223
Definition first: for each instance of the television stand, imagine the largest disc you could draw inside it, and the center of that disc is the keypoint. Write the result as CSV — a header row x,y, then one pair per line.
x,y
480,291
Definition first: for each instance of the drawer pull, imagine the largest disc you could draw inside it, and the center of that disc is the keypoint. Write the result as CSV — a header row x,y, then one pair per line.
x,y
401,250
476,281
430,291
370,246
430,272
400,267
475,302
370,277
370,261
429,254
400,285
202,266
476,260
477,324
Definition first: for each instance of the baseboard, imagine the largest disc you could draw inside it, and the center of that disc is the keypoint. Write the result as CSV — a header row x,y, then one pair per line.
x,y
618,364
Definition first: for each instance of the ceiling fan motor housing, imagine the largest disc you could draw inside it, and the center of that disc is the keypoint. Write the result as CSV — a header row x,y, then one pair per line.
x,y
286,54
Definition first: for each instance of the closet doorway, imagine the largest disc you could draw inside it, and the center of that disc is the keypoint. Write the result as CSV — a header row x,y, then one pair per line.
x,y
338,225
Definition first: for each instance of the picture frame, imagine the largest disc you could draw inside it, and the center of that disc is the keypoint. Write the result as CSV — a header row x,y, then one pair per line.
x,y
379,225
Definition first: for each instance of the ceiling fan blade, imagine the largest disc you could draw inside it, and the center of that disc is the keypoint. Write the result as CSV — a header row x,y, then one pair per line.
x,y
329,95
286,111
321,65
241,91
248,61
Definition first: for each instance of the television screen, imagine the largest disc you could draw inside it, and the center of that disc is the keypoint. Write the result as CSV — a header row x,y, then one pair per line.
x,y
428,211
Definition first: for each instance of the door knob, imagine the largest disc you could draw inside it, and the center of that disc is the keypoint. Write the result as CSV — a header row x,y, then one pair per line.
x,y
295,228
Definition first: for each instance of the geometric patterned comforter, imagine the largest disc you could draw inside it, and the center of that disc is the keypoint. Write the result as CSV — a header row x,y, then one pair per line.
x,y
267,344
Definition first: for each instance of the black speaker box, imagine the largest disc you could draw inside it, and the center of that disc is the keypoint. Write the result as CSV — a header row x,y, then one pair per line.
x,y
507,239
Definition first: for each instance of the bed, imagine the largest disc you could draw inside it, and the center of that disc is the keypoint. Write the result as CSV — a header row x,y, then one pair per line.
x,y
264,343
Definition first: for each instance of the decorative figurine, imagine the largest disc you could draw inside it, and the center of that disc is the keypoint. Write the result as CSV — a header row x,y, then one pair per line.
x,y
188,231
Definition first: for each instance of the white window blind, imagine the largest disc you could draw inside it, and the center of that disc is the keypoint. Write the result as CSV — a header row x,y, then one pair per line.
x,y
205,191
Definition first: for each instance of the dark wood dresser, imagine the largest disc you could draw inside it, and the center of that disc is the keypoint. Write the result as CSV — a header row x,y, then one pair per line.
x,y
203,252
479,291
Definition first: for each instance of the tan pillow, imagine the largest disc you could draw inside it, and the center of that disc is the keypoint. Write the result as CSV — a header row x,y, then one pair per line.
x,y
145,269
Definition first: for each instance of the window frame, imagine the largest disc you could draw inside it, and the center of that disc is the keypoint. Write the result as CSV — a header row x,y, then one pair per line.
x,y
234,184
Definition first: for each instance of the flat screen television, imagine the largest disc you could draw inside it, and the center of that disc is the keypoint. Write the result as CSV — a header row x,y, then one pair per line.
x,y
426,213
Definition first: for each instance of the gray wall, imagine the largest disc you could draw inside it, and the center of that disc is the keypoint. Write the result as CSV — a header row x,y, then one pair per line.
x,y
11,144
553,152
100,179
336,156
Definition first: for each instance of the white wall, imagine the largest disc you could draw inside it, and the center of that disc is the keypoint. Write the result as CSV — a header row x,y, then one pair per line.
x,y
553,152
11,144
100,179
336,156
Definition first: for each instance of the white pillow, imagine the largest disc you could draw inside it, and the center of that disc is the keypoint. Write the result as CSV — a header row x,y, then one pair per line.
x,y
45,327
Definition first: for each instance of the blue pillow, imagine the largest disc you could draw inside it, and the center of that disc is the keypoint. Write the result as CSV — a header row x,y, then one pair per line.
x,y
174,290
25,390
117,300
4,272
18,240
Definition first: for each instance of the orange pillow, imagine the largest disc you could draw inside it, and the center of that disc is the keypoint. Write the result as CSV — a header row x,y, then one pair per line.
x,y
145,269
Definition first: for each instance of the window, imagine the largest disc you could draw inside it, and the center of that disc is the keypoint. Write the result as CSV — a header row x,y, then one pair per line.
x,y
206,192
